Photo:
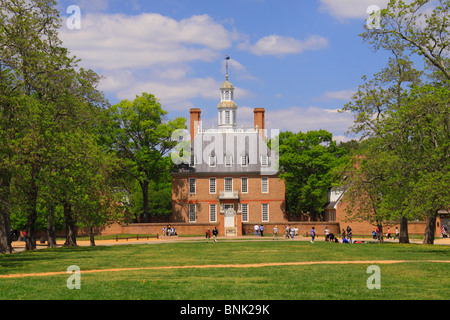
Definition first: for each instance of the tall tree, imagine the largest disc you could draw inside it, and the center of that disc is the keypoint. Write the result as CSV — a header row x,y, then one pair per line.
x,y
142,137
307,161
47,95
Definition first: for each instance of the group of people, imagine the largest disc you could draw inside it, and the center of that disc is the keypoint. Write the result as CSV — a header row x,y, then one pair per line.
x,y
169,231
259,230
290,233
214,233
376,234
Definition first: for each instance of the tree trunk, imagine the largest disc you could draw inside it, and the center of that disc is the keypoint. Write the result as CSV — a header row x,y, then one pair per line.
x,y
5,226
51,232
404,236
380,235
144,186
430,230
91,236
71,240
30,241
5,234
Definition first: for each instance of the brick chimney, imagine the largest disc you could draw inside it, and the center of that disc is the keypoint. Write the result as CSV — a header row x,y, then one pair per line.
x,y
260,120
195,122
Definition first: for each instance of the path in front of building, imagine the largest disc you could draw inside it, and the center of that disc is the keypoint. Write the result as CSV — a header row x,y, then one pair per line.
x,y
19,246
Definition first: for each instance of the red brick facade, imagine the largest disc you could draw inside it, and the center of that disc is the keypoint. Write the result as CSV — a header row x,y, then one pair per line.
x,y
252,206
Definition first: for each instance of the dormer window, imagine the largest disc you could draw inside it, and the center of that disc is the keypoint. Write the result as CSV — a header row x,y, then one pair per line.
x,y
228,161
212,161
264,160
244,160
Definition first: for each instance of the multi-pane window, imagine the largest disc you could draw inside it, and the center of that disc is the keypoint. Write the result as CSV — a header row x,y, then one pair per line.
x,y
264,160
192,160
265,185
212,161
244,212
227,117
244,160
228,185
192,213
192,185
244,185
265,212
212,213
228,160
212,185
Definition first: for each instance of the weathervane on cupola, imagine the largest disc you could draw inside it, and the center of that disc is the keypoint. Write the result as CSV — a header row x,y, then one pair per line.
x,y
227,107
227,58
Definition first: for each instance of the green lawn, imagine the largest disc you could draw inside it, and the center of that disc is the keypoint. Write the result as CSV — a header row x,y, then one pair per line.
x,y
416,279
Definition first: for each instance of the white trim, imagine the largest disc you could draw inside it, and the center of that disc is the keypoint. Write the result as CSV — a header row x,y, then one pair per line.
x,y
228,163
224,184
215,161
264,160
242,208
195,213
195,185
215,185
242,190
215,212
263,178
262,212
244,161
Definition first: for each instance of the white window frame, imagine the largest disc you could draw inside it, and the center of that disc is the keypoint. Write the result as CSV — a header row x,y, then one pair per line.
x,y
215,185
213,206
244,161
242,185
195,185
212,161
225,184
228,161
194,206
262,212
227,117
264,160
192,160
262,184
245,215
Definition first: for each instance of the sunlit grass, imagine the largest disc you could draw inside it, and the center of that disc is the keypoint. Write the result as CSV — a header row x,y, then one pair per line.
x,y
415,279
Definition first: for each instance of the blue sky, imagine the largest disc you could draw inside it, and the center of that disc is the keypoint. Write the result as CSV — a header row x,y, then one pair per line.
x,y
301,60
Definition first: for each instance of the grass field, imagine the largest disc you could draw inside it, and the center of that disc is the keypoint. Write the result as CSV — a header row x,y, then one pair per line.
x,y
146,276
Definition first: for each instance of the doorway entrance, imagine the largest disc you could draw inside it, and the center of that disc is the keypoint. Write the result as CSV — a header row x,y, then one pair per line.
x,y
230,220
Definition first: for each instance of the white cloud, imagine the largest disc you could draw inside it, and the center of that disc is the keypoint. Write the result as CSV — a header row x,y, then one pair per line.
x,y
352,9
117,41
345,9
297,119
279,45
151,53
337,95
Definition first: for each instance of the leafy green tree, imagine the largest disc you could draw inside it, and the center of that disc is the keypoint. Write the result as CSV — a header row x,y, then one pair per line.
x,y
307,161
142,138
409,116
46,101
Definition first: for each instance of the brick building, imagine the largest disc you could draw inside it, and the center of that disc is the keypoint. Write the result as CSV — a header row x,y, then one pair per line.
x,y
231,181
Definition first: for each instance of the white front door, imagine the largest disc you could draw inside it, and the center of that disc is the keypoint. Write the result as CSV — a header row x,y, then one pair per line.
x,y
229,220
